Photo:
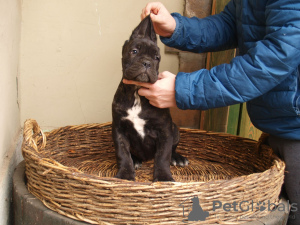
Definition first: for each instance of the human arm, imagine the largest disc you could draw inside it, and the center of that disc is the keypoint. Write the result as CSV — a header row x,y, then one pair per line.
x,y
265,65
213,33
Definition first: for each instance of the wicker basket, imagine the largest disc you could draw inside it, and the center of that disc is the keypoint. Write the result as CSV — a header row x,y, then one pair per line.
x,y
71,171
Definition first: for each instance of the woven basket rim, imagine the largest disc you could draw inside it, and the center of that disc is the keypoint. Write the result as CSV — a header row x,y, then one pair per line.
x,y
277,163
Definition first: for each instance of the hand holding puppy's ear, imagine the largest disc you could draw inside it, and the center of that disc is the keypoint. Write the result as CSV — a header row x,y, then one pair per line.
x,y
164,24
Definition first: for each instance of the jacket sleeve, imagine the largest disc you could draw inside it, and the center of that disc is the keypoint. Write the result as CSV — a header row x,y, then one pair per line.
x,y
213,33
262,68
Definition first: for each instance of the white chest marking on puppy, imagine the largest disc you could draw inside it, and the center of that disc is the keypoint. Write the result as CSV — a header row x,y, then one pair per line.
x,y
133,116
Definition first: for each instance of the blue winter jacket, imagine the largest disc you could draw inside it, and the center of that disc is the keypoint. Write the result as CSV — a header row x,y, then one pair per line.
x,y
266,72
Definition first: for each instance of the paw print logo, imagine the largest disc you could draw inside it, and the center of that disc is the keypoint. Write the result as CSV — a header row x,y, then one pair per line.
x,y
261,206
197,213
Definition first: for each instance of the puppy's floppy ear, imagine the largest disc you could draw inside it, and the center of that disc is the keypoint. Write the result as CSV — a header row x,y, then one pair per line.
x,y
145,30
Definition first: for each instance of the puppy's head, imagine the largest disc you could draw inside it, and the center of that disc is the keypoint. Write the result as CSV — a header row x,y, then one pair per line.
x,y
140,54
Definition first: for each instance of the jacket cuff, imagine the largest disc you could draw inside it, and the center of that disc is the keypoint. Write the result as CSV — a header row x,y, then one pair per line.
x,y
171,40
182,91
190,91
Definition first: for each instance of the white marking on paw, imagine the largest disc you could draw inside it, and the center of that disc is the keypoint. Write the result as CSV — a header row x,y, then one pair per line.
x,y
186,162
133,116
137,165
173,163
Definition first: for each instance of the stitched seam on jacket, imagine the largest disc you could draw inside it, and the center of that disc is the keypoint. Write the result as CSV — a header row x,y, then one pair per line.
x,y
246,75
232,86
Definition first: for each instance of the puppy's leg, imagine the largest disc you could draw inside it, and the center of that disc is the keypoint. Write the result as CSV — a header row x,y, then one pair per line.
x,y
124,160
162,159
177,159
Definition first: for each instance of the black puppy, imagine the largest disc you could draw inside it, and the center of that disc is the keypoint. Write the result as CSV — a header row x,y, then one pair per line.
x,y
140,130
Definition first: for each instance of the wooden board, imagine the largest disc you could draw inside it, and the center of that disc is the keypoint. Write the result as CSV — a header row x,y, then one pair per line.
x,y
234,119
247,129
218,119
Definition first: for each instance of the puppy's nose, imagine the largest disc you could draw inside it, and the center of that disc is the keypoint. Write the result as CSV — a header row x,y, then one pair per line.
x,y
146,64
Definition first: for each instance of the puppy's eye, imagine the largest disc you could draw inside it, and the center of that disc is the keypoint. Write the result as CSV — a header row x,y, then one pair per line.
x,y
157,57
134,51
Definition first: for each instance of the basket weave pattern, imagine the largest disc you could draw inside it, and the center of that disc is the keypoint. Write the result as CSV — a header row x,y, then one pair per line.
x,y
71,171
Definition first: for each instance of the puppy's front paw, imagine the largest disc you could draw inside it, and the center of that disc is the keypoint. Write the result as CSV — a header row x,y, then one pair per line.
x,y
162,176
126,175
179,160
164,179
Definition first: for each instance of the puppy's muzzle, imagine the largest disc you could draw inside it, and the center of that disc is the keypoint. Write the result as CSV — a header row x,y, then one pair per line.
x,y
146,64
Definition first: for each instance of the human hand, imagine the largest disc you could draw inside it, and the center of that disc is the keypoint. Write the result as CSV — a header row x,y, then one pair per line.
x,y
164,24
161,94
